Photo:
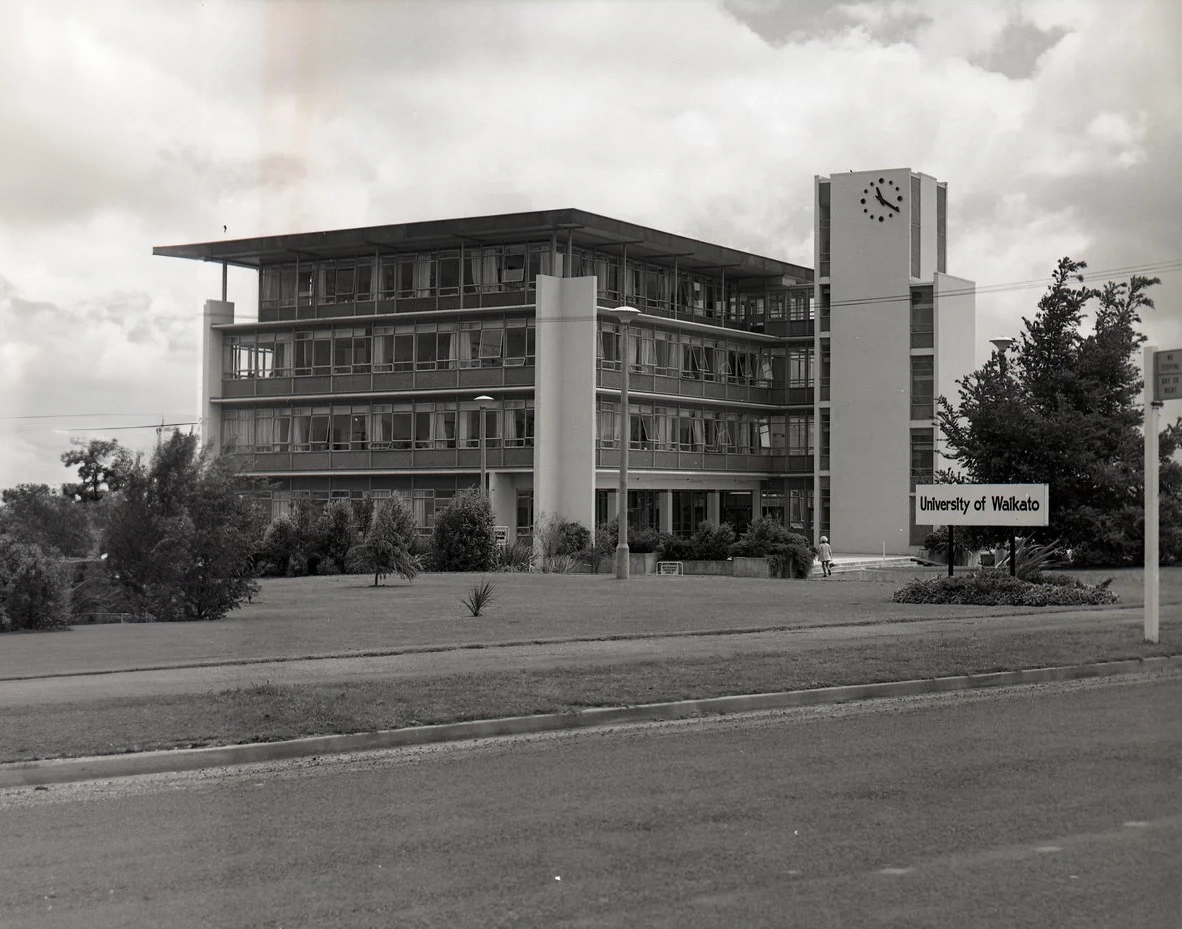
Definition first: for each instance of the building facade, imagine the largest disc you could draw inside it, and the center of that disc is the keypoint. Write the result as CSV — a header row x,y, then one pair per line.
x,y
755,387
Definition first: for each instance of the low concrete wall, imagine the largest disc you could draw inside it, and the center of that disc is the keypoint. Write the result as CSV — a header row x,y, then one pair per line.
x,y
712,568
750,567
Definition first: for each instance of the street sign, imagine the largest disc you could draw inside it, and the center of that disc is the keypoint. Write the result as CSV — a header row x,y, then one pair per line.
x,y
1167,375
501,534
981,505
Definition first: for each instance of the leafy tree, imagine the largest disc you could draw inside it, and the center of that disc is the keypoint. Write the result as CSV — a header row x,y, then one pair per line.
x,y
336,531
1061,408
34,593
282,550
37,515
389,543
103,465
463,537
181,536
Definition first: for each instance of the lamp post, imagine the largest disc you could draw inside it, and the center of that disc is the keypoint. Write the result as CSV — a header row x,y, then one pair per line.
x,y
483,400
625,314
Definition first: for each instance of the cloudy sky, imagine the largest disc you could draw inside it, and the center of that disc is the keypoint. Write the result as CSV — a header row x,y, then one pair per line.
x,y
1056,123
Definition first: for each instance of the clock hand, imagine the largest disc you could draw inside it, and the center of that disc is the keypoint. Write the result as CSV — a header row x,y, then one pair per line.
x,y
881,199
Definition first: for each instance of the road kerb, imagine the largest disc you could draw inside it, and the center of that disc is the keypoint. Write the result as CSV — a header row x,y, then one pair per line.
x,y
69,770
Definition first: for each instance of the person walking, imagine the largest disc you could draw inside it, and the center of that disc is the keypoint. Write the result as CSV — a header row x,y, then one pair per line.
x,y
825,553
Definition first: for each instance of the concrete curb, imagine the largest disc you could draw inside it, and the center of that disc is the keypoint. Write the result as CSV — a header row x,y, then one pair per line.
x,y
568,640
67,770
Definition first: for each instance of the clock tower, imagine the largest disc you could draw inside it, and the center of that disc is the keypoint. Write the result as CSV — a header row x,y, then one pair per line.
x,y
897,333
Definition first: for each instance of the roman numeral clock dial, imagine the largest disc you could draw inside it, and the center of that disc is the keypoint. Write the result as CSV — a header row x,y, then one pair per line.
x,y
881,200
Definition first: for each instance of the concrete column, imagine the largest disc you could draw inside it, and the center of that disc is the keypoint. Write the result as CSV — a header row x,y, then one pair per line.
x,y
665,510
209,388
756,503
503,499
712,506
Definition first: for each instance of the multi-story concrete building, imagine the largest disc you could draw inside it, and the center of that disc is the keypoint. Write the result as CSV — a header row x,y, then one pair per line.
x,y
755,388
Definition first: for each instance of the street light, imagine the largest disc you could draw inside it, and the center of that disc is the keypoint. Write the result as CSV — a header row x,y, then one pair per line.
x,y
483,400
625,314
1002,346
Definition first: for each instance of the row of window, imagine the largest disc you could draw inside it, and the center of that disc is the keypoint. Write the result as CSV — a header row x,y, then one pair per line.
x,y
695,357
390,277
659,427
423,503
508,268
365,349
378,427
689,508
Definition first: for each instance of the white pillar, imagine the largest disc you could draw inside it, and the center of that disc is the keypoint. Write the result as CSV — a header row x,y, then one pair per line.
x,y
1151,501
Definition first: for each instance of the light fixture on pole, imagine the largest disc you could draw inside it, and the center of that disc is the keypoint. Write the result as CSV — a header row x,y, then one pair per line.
x,y
483,400
1002,346
625,314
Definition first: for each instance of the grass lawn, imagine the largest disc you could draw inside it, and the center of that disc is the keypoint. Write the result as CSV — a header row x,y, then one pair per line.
x,y
339,615
267,712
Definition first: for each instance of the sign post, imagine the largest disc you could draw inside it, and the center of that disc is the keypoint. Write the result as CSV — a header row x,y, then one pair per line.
x,y
1163,381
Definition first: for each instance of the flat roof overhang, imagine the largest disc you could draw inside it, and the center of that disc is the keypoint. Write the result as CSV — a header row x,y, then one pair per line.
x,y
587,230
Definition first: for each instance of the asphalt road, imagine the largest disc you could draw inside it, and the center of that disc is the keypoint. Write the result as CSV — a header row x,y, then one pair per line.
x,y
210,678
1053,806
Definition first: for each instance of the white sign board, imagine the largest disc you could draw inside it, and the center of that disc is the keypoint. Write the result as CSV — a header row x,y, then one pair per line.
x,y
981,505
501,533
1167,375
670,567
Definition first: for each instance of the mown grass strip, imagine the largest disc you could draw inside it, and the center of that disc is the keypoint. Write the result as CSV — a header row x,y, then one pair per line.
x,y
266,712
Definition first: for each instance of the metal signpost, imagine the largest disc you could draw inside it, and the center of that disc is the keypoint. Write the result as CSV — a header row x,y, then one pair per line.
x,y
1163,381
981,505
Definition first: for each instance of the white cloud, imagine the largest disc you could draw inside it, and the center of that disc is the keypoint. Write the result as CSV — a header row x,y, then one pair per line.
x,y
138,125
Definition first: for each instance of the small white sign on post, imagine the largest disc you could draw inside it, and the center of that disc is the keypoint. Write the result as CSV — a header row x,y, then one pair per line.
x,y
981,505
501,534
1167,375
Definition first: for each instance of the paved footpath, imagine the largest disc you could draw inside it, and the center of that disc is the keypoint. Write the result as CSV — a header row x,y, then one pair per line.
x,y
212,677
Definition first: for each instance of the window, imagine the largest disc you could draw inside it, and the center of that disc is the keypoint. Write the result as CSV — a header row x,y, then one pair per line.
x,y
942,228
607,429
423,507
800,367
922,318
923,456
525,512
916,193
519,344
922,387
609,345
800,434
519,425
823,229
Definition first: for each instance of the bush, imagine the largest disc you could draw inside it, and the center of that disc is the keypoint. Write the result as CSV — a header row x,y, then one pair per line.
x,y
994,588
34,593
388,546
282,549
640,541
936,545
463,538
788,554
560,543
516,557
708,543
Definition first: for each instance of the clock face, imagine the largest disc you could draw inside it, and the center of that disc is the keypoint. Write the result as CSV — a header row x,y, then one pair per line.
x,y
881,200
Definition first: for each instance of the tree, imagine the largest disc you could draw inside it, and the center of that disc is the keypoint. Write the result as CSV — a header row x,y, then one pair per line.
x,y
1061,408
34,593
181,536
389,543
337,532
103,465
37,515
463,538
